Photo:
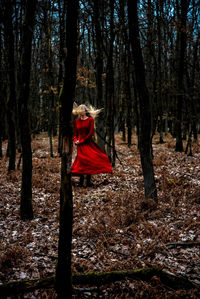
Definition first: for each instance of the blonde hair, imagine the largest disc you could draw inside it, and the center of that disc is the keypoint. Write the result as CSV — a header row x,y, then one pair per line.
x,y
89,109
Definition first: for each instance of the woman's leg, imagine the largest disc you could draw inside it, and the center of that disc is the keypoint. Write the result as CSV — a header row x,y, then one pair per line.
x,y
80,184
89,184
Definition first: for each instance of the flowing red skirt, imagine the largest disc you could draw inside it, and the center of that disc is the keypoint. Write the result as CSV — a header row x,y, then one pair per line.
x,y
90,159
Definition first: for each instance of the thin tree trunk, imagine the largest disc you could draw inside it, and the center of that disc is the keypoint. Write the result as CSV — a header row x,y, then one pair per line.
x,y
181,48
110,90
63,271
122,70
11,94
51,106
145,145
61,59
126,101
26,209
18,22
159,12
152,64
99,72
191,78
129,101
166,123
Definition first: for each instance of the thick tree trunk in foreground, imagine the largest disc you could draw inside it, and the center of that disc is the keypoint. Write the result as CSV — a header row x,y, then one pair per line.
x,y
2,97
63,271
26,209
145,145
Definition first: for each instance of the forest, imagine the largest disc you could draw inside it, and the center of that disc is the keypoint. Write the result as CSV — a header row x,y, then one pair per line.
x,y
134,233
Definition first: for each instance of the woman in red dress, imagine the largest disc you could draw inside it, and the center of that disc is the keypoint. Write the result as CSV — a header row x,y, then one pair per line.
x,y
90,158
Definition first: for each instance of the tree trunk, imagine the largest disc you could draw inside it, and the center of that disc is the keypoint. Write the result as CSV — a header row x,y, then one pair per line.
x,y
99,72
2,97
63,271
129,102
51,105
61,59
110,90
159,13
11,94
125,95
181,48
192,99
151,66
145,145
26,209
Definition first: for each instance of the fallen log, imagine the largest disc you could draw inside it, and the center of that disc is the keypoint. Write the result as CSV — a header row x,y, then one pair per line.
x,y
98,279
25,286
168,279
183,244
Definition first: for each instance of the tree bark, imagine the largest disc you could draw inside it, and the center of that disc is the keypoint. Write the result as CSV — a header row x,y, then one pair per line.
x,y
145,146
159,13
2,97
61,59
110,90
125,101
181,48
99,72
11,94
26,209
63,271
50,82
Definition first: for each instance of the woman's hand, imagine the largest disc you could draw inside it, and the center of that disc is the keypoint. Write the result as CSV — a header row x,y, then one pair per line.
x,y
77,142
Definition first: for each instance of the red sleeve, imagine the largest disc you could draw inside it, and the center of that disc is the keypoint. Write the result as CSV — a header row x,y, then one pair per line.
x,y
91,131
75,132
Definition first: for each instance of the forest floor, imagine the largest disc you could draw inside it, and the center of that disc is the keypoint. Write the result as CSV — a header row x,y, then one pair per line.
x,y
114,228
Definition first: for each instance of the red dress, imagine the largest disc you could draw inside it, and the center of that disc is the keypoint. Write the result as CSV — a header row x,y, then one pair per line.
x,y
90,158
